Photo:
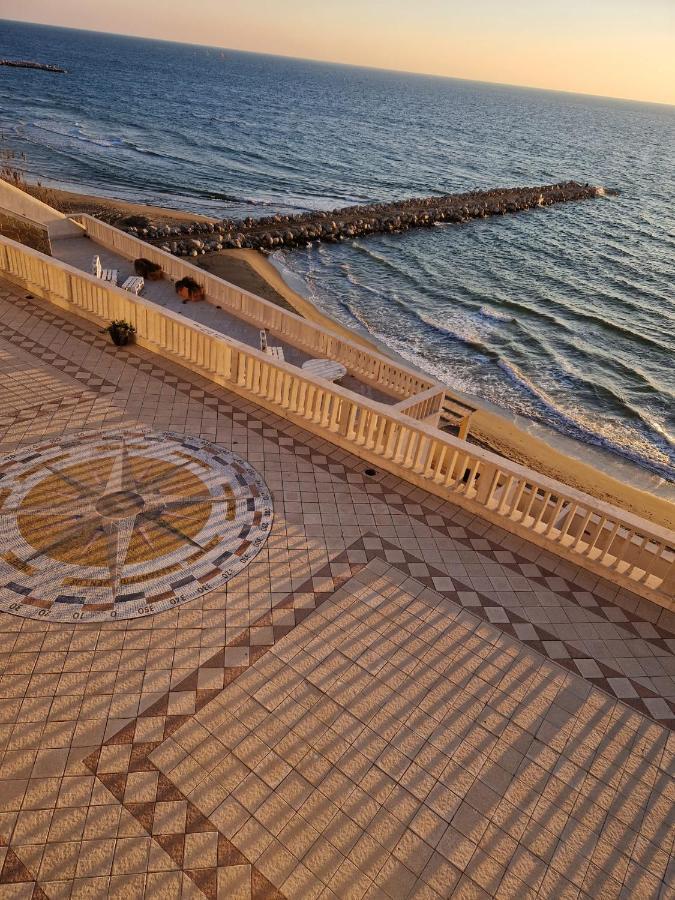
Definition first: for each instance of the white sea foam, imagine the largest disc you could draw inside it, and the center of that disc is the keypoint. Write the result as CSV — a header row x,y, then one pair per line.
x,y
496,314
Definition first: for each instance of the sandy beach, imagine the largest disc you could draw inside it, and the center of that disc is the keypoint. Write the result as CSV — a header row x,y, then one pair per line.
x,y
253,272
107,209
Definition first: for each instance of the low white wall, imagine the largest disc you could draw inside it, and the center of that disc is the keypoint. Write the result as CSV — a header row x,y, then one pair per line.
x,y
17,203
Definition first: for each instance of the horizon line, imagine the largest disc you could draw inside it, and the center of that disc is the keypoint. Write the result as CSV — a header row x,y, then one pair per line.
x,y
333,62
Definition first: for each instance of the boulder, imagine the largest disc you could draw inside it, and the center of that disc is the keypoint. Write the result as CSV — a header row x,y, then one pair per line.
x,y
135,221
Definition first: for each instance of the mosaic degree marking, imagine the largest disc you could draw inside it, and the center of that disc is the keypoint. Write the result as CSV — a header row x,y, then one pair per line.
x,y
116,526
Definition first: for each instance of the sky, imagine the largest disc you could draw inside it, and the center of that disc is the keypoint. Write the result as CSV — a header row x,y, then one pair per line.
x,y
613,48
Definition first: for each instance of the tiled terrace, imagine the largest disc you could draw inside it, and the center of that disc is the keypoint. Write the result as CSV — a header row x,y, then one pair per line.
x,y
393,700
79,253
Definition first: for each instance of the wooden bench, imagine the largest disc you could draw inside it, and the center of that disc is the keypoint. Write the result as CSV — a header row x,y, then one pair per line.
x,y
134,283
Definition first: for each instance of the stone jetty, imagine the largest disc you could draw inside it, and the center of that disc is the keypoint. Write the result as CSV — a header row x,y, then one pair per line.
x,y
26,64
274,232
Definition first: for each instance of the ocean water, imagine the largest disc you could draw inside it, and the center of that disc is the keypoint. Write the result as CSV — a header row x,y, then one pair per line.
x,y
563,316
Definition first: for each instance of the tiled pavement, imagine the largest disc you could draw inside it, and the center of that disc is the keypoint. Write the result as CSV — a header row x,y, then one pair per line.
x,y
394,699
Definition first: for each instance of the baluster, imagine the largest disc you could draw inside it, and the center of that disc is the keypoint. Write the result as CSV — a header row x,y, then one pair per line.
x,y
450,477
335,414
285,390
401,443
379,439
668,580
374,422
272,382
518,496
279,379
486,491
364,419
302,399
325,408
392,440
264,379
470,486
310,401
319,400
621,556
582,528
460,483
421,457
439,476
528,509
250,366
294,394
641,554
607,552
501,506
554,517
432,456
569,518
542,511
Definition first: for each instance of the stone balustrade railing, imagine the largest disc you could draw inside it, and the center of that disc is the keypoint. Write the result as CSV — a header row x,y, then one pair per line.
x,y
604,539
389,376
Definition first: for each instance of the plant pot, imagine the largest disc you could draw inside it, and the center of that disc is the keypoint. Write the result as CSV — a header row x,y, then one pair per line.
x,y
120,338
147,269
193,294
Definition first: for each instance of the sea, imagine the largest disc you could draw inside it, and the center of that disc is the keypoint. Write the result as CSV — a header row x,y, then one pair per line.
x,y
564,317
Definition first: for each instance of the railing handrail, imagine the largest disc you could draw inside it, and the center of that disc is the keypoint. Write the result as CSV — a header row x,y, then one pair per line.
x,y
415,450
436,390
513,468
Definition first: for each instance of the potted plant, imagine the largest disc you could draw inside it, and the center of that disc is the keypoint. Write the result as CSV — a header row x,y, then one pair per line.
x,y
147,269
121,332
189,289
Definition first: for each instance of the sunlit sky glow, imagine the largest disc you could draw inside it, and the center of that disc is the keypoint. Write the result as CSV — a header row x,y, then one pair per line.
x,y
614,48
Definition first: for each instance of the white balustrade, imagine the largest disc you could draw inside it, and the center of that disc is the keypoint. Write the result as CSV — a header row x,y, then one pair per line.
x,y
389,376
423,406
605,539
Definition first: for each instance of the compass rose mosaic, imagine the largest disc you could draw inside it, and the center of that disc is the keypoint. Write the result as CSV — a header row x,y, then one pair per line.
x,y
112,526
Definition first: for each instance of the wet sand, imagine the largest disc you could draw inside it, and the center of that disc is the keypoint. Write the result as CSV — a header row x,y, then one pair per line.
x,y
251,271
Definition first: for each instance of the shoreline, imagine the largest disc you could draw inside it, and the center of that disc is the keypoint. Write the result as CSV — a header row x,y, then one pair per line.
x,y
252,271
300,304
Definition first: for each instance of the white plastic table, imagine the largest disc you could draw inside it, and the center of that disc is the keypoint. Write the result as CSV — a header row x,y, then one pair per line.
x,y
325,368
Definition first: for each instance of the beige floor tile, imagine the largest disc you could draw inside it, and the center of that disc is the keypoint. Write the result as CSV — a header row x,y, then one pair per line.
x,y
449,720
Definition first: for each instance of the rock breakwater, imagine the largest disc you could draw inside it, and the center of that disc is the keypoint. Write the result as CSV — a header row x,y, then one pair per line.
x,y
27,64
287,231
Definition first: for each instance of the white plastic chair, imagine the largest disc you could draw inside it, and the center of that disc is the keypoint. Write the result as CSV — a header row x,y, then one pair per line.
x,y
98,271
276,352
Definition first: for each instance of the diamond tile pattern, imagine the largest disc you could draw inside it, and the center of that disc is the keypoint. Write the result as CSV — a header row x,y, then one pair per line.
x,y
394,741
